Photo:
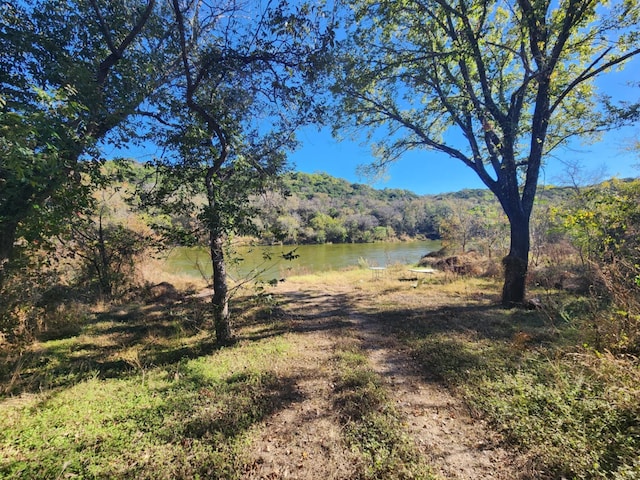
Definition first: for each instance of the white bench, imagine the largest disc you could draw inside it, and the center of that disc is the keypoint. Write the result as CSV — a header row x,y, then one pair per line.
x,y
423,271
377,271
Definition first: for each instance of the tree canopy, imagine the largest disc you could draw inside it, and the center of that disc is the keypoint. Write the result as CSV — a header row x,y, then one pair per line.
x,y
244,84
71,73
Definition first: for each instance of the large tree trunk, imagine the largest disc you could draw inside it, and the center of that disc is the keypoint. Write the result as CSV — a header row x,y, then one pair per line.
x,y
517,262
220,300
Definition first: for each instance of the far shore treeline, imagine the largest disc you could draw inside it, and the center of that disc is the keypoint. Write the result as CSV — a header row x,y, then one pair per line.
x,y
316,208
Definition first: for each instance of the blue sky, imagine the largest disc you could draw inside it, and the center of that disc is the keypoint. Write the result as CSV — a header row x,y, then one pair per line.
x,y
428,172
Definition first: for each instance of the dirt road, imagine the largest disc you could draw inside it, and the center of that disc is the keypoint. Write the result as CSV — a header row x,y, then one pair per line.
x,y
304,442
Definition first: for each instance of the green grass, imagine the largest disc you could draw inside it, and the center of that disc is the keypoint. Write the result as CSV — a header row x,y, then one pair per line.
x,y
582,426
144,392
141,398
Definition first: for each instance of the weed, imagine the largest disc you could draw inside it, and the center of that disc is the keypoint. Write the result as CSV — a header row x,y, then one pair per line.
x,y
363,263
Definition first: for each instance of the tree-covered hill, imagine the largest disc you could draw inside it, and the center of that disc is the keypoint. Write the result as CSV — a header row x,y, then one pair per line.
x,y
319,208
309,184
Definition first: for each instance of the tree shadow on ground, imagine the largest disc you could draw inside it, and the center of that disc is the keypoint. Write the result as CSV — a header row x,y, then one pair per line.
x,y
450,342
477,315
124,341
192,428
447,340
316,311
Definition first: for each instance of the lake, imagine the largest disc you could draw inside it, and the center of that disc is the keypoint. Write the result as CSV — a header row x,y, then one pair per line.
x,y
310,258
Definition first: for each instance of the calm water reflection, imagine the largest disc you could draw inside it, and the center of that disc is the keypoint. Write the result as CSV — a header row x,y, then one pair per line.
x,y
310,258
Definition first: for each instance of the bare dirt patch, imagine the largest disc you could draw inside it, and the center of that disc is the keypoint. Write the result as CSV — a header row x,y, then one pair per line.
x,y
305,442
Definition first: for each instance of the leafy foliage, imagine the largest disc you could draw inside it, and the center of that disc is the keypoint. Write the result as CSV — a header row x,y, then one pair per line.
x,y
32,157
72,72
603,224
318,208
494,87
244,83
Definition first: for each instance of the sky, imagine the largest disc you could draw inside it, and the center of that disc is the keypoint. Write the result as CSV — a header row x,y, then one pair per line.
x,y
429,172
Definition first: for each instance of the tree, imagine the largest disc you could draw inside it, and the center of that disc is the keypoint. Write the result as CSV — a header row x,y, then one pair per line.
x,y
493,231
328,229
245,85
23,172
460,224
496,85
72,72
103,239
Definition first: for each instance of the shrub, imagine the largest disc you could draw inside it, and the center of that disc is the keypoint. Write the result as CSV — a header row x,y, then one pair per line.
x,y
604,224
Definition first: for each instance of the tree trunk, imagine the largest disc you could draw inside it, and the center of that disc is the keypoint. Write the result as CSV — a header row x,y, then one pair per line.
x,y
104,265
220,300
7,240
516,263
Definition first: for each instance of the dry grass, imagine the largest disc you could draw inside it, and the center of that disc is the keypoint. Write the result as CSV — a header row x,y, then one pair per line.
x,y
397,285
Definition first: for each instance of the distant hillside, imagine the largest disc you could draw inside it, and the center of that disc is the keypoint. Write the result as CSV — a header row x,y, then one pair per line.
x,y
320,208
305,184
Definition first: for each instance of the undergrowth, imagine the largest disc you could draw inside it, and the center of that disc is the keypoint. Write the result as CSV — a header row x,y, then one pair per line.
x,y
575,420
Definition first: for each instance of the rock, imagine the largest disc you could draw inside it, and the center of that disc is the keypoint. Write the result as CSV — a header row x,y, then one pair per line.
x,y
164,292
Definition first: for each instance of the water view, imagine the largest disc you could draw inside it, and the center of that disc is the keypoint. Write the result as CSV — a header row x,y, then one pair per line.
x,y
308,258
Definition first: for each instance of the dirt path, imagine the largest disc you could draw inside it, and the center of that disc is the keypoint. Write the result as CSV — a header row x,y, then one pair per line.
x,y
304,442
457,445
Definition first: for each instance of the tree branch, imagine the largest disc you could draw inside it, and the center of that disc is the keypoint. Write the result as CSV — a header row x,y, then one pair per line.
x,y
587,74
117,52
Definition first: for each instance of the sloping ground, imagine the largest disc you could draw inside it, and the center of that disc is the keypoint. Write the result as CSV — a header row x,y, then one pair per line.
x,y
306,443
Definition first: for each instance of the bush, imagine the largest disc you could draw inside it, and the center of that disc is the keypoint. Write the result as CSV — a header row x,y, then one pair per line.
x,y
604,224
26,294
